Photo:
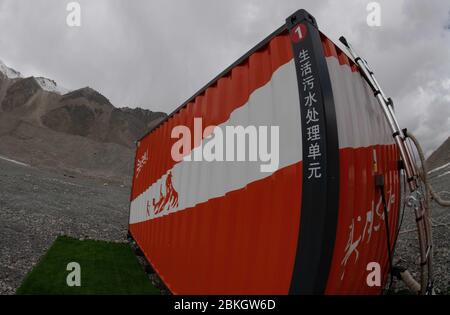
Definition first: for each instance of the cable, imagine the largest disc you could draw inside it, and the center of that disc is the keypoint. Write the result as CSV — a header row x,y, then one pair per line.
x,y
380,184
430,194
402,216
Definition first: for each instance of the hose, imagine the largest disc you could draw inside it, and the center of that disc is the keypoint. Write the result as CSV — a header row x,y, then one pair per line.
x,y
424,174
404,275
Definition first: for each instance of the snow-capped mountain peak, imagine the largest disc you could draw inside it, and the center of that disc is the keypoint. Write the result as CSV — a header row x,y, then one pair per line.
x,y
45,83
50,85
9,72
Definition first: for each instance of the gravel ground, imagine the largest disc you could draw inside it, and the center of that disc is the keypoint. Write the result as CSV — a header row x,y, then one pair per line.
x,y
38,205
407,246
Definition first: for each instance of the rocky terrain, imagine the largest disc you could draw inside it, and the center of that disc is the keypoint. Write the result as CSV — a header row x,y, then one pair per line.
x,y
439,158
38,205
438,165
46,125
66,162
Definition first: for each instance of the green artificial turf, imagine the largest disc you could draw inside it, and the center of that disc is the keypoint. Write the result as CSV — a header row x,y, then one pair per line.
x,y
106,268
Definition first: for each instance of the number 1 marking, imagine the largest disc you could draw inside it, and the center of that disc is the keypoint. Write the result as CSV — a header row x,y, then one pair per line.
x,y
298,30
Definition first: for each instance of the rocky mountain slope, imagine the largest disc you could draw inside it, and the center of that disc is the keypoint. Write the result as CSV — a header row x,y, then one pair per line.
x,y
440,157
44,124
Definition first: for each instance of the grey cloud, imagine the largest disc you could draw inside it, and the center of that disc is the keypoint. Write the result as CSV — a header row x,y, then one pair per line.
x,y
155,54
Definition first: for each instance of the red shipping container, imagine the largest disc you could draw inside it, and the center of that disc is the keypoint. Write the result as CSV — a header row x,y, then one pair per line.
x,y
311,226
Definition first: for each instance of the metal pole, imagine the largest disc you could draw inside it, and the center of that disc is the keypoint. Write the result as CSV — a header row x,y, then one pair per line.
x,y
384,102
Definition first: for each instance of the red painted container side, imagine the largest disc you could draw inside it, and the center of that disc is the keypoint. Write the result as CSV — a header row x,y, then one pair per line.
x,y
212,247
366,150
226,229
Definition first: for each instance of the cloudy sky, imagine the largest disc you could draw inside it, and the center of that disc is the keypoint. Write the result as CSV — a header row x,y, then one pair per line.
x,y
155,54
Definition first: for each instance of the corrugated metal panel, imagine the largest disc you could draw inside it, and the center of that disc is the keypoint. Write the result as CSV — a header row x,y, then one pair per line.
x,y
230,229
366,149
229,214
